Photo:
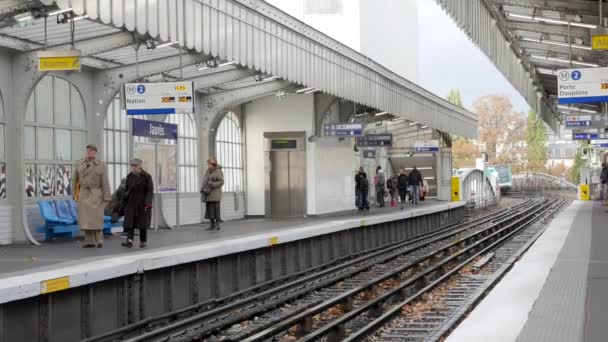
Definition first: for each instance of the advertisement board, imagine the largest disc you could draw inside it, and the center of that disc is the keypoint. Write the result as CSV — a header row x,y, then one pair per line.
x,y
585,85
159,98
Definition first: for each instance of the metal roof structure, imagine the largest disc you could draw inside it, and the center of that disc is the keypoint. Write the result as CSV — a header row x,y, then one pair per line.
x,y
529,40
250,33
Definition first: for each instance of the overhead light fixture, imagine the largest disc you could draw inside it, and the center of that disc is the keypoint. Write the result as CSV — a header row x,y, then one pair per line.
x,y
553,42
424,127
80,18
160,46
270,78
303,90
312,91
361,115
546,71
565,61
24,17
381,114
550,20
59,11
203,68
582,110
413,124
226,64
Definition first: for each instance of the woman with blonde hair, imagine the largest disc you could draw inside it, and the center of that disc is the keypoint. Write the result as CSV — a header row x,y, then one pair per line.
x,y
211,193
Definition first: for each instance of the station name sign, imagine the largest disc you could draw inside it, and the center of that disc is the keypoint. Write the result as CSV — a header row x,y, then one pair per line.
x,y
154,129
344,130
59,60
159,98
582,85
375,140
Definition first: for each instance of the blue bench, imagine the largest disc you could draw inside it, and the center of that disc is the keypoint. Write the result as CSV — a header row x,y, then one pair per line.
x,y
61,219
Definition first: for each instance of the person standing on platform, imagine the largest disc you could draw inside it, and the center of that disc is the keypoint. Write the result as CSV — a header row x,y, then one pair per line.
x,y
604,180
391,185
362,189
92,193
211,193
137,203
402,184
415,180
380,186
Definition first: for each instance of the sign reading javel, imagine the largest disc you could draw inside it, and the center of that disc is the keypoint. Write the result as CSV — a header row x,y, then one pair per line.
x,y
159,98
582,85
59,60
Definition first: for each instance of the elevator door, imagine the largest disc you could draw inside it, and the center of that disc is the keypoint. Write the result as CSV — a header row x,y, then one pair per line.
x,y
287,184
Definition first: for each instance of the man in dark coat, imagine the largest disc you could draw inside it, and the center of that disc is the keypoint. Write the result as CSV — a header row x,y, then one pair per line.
x,y
415,180
362,189
402,185
138,198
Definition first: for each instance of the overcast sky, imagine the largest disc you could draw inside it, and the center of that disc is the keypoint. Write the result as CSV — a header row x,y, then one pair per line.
x,y
447,58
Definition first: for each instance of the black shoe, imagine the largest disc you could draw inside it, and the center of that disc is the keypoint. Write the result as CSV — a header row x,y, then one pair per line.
x,y
211,227
100,245
217,227
88,245
127,243
142,245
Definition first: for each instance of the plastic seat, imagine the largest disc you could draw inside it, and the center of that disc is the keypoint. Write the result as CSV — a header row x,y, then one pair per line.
x,y
73,209
49,213
55,225
63,210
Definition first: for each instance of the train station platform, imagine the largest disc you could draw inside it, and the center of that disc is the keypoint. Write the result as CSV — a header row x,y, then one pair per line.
x,y
23,268
557,292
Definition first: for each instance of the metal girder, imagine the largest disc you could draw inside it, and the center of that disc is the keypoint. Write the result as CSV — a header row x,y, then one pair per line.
x,y
587,55
563,6
210,80
100,44
560,30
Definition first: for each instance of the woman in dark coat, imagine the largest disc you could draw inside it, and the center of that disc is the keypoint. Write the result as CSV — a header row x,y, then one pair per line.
x,y
211,193
139,194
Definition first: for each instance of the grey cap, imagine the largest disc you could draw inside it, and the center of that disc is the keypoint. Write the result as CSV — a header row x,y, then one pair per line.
x,y
135,161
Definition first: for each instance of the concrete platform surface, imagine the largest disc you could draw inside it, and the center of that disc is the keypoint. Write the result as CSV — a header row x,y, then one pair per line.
x,y
24,267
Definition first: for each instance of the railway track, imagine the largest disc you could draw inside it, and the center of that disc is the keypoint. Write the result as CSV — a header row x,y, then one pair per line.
x,y
297,306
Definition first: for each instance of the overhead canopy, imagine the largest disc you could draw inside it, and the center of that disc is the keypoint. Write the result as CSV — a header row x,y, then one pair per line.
x,y
529,40
258,36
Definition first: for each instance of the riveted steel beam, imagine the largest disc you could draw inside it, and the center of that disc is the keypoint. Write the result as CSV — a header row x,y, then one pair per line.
x,y
560,30
566,7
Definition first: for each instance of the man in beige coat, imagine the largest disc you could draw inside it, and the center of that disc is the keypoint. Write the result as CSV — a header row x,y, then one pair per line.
x,y
91,190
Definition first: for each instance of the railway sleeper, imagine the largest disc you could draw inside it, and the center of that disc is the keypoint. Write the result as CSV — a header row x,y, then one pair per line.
x,y
337,334
304,327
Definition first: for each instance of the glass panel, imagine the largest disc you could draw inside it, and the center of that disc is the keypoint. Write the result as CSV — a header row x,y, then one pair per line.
x,y
44,180
79,115
30,142
79,141
63,184
30,112
63,146
44,143
61,96
44,100
30,180
124,147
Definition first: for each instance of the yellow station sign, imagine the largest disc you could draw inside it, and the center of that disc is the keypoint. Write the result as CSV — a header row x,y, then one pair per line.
x,y
455,189
599,42
54,285
59,60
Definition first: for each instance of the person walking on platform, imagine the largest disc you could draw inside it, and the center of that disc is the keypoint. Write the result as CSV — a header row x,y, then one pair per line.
x,y
604,180
391,185
92,193
380,186
402,185
137,203
211,193
362,189
415,180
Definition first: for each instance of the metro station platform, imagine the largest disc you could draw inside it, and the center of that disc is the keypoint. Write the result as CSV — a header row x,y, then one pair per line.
x,y
557,292
23,268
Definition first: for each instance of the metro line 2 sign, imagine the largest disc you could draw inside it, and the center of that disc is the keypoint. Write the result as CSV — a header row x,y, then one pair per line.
x,y
582,85
159,98
154,129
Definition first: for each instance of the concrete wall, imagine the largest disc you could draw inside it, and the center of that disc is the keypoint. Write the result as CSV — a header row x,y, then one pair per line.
x,y
330,163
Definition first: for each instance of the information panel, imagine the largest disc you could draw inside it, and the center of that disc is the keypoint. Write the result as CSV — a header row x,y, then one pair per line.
x,y
159,98
582,85
426,146
344,130
375,140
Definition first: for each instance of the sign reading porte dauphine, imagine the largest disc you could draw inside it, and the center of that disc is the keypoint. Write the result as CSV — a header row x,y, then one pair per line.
x,y
582,85
159,98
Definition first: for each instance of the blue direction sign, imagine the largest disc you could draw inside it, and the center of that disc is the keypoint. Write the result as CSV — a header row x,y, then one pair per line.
x,y
375,140
578,123
154,129
585,136
344,130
